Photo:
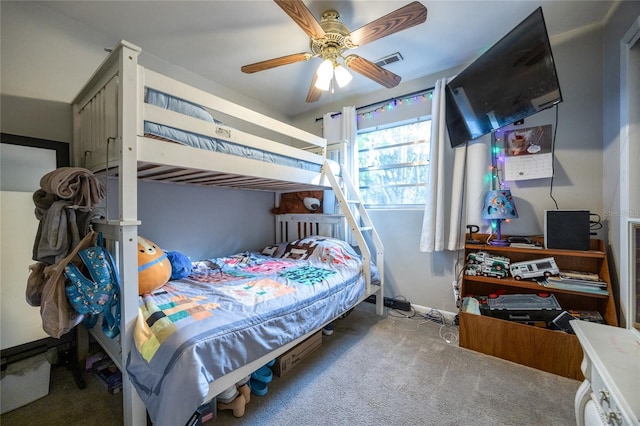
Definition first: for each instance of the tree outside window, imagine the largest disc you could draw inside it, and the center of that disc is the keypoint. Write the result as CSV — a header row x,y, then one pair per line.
x,y
394,164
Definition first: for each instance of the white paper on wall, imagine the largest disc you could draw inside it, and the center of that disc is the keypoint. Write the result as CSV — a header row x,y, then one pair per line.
x,y
528,153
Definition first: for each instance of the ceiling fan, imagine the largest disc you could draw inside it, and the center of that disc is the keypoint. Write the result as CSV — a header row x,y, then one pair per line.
x,y
330,39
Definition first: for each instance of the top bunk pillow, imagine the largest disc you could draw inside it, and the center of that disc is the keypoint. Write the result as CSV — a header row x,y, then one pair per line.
x,y
181,106
311,247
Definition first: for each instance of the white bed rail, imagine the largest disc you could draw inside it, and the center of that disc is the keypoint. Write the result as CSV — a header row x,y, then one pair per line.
x,y
199,97
98,107
294,226
108,120
361,227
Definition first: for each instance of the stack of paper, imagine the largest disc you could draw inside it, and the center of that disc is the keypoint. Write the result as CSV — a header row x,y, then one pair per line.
x,y
526,245
587,282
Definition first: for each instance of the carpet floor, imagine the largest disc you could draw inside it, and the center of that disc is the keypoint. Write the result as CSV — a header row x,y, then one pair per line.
x,y
371,371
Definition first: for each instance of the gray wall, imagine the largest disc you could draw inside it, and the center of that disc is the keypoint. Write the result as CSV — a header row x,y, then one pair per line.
x,y
425,279
46,58
205,222
618,24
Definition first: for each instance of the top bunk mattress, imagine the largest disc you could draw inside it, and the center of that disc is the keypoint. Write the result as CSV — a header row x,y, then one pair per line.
x,y
171,134
168,127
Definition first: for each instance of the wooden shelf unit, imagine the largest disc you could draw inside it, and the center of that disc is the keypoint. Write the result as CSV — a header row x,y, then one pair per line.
x,y
544,349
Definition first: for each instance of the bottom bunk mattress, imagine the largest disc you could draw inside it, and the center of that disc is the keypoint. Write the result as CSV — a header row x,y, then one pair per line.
x,y
233,310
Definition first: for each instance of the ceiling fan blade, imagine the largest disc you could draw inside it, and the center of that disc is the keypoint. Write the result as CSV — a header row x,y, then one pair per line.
x,y
314,93
374,72
297,11
406,17
276,62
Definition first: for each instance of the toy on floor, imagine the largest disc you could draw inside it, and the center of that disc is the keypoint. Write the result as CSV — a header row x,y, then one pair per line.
x,y
237,405
235,398
260,379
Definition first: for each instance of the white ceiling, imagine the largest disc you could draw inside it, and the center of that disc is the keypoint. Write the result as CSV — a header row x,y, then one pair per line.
x,y
215,38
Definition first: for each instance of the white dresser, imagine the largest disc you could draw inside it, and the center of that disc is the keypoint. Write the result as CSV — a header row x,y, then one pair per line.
x,y
610,393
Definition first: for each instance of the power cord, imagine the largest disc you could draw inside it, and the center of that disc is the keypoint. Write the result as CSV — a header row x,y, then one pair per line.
x,y
397,313
595,225
553,160
448,331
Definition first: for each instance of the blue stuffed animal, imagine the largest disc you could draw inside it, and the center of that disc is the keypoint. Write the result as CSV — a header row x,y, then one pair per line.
x,y
180,265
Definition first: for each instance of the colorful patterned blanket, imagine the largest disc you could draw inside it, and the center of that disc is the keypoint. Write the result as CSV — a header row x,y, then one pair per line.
x,y
231,311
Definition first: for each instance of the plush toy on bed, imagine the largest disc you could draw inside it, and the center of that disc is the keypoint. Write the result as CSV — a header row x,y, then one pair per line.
x,y
180,265
154,268
299,202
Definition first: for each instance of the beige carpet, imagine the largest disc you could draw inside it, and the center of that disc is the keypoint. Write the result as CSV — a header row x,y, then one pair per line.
x,y
372,371
401,371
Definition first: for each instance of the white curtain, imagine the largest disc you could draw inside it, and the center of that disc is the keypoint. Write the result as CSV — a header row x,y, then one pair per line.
x,y
343,126
445,190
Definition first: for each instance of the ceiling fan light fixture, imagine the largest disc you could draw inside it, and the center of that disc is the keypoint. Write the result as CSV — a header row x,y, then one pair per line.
x,y
325,70
323,84
343,77
330,38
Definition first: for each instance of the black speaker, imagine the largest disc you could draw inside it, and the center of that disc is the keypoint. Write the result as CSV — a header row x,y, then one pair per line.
x,y
567,229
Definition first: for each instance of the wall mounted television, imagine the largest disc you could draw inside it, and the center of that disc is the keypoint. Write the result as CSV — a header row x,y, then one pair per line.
x,y
511,81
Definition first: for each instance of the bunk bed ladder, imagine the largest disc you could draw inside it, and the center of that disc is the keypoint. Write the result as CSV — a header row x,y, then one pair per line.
x,y
359,223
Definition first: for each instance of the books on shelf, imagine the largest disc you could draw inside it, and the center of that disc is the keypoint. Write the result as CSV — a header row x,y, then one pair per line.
x,y
586,282
574,287
581,276
526,245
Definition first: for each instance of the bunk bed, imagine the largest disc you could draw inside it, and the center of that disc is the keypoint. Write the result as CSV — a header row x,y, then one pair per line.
x,y
133,124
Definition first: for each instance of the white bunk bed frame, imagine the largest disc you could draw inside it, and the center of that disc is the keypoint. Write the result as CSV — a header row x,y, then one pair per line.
x,y
109,114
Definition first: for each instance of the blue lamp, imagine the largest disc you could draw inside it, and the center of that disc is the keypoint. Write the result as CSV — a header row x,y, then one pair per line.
x,y
499,206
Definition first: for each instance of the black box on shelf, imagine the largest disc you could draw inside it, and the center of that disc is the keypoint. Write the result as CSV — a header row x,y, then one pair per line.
x,y
567,229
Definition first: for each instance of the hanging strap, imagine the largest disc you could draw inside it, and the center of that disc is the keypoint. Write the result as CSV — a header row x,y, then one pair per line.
x,y
110,321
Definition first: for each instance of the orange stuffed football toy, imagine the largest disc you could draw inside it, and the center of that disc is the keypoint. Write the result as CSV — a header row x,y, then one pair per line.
x,y
154,268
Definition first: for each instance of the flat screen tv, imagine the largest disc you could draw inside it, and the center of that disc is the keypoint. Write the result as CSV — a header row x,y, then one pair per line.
x,y
511,81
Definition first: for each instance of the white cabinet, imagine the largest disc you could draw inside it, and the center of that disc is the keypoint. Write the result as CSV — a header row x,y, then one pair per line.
x,y
610,393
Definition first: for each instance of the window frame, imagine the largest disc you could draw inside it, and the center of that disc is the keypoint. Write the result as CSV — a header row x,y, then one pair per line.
x,y
406,122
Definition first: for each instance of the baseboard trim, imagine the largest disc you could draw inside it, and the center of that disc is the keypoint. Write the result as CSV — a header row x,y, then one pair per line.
x,y
449,316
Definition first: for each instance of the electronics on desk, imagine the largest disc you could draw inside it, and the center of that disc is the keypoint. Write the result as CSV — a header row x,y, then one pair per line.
x,y
540,310
567,229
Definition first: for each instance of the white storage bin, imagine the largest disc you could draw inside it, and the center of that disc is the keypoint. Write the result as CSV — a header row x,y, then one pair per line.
x,y
23,382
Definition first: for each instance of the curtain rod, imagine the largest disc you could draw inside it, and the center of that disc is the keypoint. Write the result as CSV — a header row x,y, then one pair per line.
x,y
406,95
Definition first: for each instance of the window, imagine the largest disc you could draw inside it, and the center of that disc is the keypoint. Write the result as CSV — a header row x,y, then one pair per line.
x,y
393,163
